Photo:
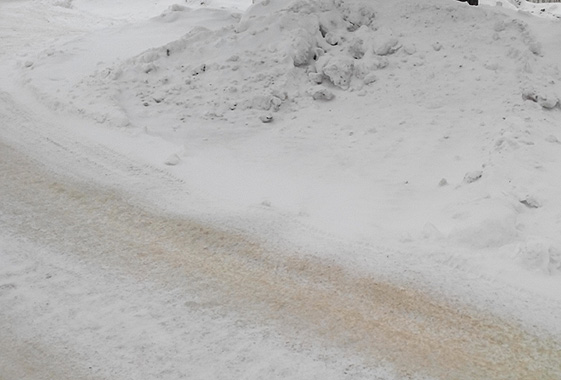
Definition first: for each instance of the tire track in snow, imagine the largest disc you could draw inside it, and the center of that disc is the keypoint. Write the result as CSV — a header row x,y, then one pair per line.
x,y
308,297
32,360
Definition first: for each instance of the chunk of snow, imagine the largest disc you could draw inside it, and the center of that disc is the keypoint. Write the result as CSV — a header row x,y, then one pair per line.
x,y
471,177
338,70
322,94
266,118
172,160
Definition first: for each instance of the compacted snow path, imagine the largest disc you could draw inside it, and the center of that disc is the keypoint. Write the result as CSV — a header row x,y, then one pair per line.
x,y
110,290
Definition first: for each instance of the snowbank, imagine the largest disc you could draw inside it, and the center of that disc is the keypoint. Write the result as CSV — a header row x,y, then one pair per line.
x,y
428,123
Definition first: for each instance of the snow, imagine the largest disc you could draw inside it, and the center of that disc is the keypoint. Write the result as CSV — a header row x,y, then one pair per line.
x,y
109,331
428,131
413,105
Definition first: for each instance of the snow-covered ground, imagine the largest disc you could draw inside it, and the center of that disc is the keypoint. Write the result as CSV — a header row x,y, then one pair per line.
x,y
411,141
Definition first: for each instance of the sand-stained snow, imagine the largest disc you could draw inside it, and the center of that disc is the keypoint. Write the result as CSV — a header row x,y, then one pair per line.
x,y
127,293
409,139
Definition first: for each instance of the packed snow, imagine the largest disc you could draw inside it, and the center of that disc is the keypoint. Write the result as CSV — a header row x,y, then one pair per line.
x,y
428,131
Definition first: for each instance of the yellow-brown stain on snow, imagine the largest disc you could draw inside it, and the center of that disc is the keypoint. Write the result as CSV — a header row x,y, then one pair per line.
x,y
309,297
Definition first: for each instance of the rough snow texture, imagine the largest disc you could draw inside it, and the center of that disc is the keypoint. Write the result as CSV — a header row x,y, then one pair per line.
x,y
418,141
277,48
380,109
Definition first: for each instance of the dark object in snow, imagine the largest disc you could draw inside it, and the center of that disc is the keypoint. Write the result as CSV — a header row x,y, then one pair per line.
x,y
531,202
199,70
167,52
471,177
471,2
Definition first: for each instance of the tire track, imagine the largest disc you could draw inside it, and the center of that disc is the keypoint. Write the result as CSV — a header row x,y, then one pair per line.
x,y
31,360
307,297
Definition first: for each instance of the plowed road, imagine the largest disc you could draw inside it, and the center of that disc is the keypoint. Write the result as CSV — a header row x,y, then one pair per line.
x,y
301,298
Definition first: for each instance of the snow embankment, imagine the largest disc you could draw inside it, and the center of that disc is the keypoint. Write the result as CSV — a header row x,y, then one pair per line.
x,y
428,125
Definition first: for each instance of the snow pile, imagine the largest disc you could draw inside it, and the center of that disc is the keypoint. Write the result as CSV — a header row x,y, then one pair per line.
x,y
432,123
546,10
260,64
282,54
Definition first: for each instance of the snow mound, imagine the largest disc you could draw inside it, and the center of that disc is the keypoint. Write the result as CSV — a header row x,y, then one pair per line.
x,y
260,64
279,51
